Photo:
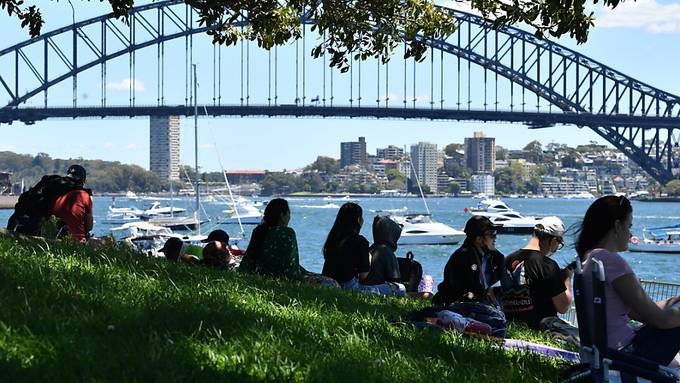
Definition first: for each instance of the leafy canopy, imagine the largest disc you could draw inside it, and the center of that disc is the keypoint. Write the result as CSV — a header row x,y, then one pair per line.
x,y
356,29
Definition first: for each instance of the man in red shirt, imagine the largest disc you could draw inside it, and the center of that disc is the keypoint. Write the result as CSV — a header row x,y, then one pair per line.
x,y
74,208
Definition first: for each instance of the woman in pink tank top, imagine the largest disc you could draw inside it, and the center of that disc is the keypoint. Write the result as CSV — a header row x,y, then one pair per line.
x,y
605,231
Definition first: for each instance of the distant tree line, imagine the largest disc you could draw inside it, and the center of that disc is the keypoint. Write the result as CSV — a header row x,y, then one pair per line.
x,y
102,176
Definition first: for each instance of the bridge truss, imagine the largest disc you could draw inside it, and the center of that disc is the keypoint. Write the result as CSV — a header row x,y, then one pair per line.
x,y
477,73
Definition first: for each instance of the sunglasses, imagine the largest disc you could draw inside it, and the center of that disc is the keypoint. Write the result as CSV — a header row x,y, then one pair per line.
x,y
491,233
560,243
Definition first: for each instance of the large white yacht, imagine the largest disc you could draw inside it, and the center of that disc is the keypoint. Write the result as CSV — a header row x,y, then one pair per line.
x,y
420,229
499,213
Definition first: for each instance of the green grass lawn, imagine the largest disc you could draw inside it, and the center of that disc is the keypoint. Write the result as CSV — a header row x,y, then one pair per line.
x,y
70,313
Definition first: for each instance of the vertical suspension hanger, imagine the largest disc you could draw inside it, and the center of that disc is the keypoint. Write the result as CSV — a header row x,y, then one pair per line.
x,y
351,79
486,71
214,81
441,75
387,84
359,92
469,68
405,61
431,76
414,82
297,71
248,72
458,56
241,62
219,75
496,73
377,93
324,70
276,75
158,58
269,77
304,63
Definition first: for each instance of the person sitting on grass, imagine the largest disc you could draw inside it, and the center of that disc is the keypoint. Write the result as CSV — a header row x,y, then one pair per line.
x,y
273,249
533,285
175,250
474,268
216,254
384,272
345,252
604,233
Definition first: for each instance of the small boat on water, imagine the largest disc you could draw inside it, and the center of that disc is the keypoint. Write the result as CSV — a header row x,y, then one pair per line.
x,y
420,229
657,240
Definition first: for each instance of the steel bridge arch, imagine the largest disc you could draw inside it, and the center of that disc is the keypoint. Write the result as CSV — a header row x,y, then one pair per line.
x,y
573,91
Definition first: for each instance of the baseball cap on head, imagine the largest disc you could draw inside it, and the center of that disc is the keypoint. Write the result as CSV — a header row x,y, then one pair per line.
x,y
172,245
478,225
552,226
217,235
76,172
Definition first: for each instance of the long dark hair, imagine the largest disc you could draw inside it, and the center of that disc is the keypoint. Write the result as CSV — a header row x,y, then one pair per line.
x,y
599,219
272,214
346,224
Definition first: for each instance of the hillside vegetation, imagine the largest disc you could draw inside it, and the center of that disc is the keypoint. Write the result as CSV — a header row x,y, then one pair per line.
x,y
70,313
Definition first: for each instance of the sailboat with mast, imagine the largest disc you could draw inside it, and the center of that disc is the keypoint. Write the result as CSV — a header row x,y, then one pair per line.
x,y
421,229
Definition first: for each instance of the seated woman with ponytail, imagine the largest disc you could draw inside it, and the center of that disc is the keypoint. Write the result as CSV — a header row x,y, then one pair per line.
x,y
604,233
346,254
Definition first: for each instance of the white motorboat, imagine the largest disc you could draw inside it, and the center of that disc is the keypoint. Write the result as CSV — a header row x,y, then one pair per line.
x,y
157,210
120,218
248,215
657,240
489,206
420,229
512,222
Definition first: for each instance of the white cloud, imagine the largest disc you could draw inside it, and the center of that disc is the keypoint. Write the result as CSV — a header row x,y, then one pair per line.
x,y
130,146
8,148
206,146
641,14
125,85
108,144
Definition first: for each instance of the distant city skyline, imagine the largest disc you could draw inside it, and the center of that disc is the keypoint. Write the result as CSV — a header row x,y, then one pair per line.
x,y
638,38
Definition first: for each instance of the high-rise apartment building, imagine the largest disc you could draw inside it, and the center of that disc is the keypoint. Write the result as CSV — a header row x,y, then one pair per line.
x,y
424,159
164,146
353,152
390,153
480,153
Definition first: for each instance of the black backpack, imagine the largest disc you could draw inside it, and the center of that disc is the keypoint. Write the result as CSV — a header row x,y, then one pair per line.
x,y
411,272
34,205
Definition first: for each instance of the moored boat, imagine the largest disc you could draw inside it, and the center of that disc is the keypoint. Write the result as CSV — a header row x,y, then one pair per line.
x,y
657,240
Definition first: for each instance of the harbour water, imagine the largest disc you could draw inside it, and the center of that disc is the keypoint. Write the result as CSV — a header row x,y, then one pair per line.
x,y
313,217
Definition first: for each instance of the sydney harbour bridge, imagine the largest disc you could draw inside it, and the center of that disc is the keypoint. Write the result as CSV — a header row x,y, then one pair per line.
x,y
476,74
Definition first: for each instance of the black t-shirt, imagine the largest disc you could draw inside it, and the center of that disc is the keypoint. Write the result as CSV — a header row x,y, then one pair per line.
x,y
347,260
384,267
544,279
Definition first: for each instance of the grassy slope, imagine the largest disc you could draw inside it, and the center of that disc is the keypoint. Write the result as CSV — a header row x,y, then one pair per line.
x,y
71,314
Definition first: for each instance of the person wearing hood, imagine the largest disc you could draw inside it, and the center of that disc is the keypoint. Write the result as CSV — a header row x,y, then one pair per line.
x,y
384,264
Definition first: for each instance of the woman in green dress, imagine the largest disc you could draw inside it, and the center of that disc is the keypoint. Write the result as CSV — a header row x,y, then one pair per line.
x,y
273,250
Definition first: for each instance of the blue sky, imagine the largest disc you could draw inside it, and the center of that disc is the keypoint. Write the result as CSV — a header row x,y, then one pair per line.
x,y
640,39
